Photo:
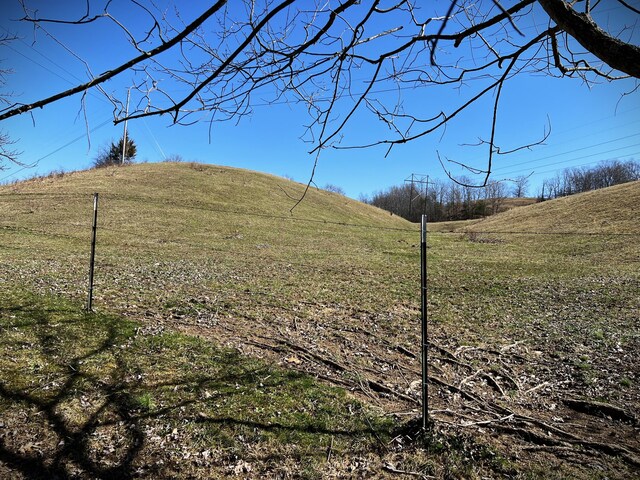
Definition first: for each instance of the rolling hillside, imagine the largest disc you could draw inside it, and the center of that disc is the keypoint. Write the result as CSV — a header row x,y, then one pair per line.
x,y
187,252
235,338
609,210
219,189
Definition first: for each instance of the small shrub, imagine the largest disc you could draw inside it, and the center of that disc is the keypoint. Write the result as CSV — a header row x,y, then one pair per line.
x,y
334,189
174,158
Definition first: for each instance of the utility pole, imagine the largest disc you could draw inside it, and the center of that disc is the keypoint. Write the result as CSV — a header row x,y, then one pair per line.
x,y
410,194
124,135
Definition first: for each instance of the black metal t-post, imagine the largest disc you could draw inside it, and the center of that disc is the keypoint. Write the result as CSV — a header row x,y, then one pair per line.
x,y
93,251
423,314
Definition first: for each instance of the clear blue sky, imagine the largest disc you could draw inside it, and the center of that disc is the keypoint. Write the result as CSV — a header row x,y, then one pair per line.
x,y
588,124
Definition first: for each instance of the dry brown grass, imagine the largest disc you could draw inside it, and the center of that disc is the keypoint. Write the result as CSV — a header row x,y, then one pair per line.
x,y
196,185
611,210
509,203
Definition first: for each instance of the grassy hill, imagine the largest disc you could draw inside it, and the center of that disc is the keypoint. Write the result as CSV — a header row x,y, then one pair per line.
x,y
510,203
235,338
192,212
222,189
184,251
609,210
186,229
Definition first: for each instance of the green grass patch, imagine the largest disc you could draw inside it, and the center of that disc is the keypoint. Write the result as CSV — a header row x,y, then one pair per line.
x,y
91,396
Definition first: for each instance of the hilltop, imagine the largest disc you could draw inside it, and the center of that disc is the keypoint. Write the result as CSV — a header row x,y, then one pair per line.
x,y
208,187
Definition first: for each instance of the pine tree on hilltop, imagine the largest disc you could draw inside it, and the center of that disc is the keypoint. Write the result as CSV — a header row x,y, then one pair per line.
x,y
113,154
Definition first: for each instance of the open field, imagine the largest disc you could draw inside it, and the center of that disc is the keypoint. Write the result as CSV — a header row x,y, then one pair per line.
x,y
211,296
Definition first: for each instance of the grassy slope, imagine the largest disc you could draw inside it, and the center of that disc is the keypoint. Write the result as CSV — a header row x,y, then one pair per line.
x,y
510,203
234,227
207,186
609,210
172,239
215,252
185,212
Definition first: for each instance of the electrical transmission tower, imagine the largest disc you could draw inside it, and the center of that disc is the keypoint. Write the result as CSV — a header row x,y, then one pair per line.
x,y
419,183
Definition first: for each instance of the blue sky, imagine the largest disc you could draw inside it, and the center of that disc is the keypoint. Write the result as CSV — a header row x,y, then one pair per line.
x,y
589,124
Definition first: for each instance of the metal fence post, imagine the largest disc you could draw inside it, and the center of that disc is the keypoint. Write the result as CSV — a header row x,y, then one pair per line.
x,y
423,314
93,251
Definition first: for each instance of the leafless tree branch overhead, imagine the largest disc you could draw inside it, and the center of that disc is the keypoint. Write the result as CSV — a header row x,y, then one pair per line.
x,y
343,58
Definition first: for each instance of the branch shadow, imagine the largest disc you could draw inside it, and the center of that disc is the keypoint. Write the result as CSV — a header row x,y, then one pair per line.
x,y
37,344
73,439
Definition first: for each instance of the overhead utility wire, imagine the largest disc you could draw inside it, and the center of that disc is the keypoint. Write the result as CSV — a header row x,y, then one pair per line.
x,y
265,104
544,147
593,162
35,163
529,162
90,91
570,160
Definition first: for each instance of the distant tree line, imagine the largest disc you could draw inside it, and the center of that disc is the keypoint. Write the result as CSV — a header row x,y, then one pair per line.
x,y
577,180
441,200
448,200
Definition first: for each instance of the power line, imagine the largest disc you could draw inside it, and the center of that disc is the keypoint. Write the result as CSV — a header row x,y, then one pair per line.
x,y
256,104
574,139
601,154
529,162
35,163
580,165
89,91
63,78
39,64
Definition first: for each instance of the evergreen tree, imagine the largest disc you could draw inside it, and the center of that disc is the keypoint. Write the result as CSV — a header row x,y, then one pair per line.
x,y
113,154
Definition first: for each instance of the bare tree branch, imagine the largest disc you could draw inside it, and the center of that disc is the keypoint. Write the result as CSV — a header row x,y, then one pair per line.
x,y
7,154
343,60
633,9
123,67
622,56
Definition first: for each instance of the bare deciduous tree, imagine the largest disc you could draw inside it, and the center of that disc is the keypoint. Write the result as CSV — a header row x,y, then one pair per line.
x,y
444,200
7,153
583,179
343,59
329,187
495,193
520,186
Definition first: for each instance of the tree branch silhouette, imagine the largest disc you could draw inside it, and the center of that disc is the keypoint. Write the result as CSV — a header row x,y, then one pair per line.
x,y
341,61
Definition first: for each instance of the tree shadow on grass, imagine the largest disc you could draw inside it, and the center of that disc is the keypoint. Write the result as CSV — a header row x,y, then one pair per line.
x,y
72,376
48,355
